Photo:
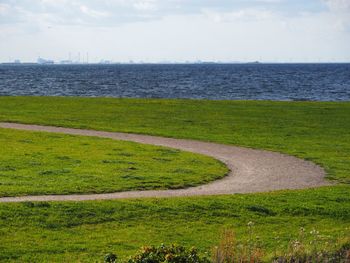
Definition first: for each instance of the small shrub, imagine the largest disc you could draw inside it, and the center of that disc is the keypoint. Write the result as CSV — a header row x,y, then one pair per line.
x,y
110,258
167,254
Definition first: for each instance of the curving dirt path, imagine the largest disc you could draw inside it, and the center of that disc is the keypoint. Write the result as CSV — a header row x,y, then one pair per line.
x,y
250,170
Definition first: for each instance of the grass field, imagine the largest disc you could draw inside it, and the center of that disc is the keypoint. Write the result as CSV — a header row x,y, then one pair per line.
x,y
313,130
42,163
317,131
86,231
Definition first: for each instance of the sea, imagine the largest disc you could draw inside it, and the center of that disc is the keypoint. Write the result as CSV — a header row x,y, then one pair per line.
x,y
255,81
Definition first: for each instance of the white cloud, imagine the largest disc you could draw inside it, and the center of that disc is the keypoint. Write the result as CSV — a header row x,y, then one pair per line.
x,y
244,14
93,13
117,12
340,12
269,1
152,30
146,5
4,9
339,5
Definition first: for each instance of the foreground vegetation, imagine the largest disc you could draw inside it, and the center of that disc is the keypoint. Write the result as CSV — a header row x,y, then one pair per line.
x,y
229,251
315,131
44,163
86,231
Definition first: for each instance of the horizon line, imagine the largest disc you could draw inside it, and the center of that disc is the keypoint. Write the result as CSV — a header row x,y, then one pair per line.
x,y
107,62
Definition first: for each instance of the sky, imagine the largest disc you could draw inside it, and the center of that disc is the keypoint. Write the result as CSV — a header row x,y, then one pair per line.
x,y
176,30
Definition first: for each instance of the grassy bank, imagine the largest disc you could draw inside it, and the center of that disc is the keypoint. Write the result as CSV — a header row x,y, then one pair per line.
x,y
315,131
43,163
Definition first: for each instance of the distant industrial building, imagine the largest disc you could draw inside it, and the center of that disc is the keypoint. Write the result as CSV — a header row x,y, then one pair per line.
x,y
67,62
45,61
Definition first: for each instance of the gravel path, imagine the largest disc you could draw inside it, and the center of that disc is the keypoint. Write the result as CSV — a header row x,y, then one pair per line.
x,y
251,170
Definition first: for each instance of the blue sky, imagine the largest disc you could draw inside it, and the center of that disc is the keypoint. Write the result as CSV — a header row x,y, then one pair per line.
x,y
177,30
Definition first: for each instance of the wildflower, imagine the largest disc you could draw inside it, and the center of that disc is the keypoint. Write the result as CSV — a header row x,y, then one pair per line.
x,y
250,224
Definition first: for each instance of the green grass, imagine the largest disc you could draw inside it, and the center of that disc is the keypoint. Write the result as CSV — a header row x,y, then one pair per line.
x,y
85,231
43,163
314,130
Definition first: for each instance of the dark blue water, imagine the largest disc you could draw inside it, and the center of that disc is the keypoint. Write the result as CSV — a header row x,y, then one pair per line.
x,y
323,82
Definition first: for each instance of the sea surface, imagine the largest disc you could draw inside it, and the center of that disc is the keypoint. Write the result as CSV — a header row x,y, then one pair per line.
x,y
314,82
